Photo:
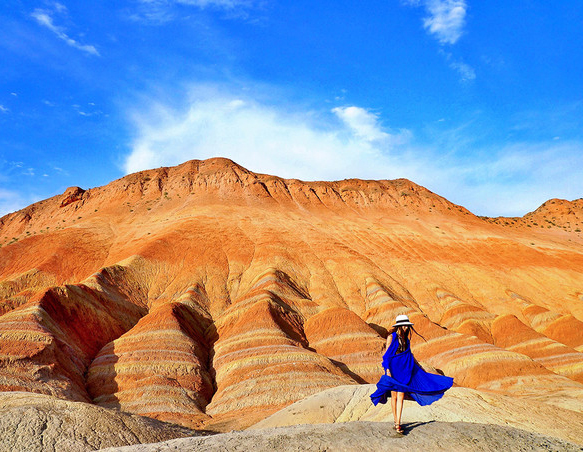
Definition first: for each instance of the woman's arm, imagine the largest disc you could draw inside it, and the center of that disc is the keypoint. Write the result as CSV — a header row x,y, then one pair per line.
x,y
388,343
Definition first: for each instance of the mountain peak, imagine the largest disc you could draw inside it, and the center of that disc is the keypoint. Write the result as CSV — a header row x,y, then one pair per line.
x,y
222,180
226,280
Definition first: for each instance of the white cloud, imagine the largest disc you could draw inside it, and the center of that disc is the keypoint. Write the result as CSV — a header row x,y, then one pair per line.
x,y
518,178
60,170
363,123
87,112
45,19
351,142
162,11
3,109
365,126
446,19
60,7
466,72
227,4
19,185
264,138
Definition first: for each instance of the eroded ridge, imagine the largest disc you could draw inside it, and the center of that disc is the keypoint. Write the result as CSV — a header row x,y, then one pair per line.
x,y
204,291
261,356
48,343
160,367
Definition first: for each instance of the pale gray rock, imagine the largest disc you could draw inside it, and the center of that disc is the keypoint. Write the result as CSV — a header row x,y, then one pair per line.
x,y
366,437
35,422
352,403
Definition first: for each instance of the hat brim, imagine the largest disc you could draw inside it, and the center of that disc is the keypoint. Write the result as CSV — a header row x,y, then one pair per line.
x,y
403,324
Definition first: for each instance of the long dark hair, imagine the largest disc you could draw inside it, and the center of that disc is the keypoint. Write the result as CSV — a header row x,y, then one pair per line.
x,y
404,333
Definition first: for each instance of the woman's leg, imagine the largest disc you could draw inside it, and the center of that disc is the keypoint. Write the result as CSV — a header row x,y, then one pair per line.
x,y
394,405
399,407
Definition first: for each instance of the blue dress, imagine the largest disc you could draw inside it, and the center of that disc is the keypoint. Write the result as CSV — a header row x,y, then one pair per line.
x,y
407,376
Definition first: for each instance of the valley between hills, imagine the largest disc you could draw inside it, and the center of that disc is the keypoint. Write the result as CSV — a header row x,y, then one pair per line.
x,y
213,298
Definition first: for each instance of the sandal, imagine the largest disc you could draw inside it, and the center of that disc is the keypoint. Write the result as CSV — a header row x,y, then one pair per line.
x,y
398,428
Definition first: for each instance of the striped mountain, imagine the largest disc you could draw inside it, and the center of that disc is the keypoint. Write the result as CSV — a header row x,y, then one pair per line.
x,y
208,295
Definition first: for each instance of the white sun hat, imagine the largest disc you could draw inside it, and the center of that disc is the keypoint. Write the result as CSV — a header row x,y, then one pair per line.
x,y
402,320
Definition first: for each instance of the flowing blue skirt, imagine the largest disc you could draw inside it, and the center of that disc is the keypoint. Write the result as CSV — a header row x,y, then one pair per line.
x,y
408,377
423,387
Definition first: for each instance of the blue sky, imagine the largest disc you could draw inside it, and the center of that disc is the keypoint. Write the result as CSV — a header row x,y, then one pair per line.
x,y
481,102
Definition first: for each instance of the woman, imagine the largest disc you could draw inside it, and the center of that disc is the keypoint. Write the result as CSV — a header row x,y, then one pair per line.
x,y
406,375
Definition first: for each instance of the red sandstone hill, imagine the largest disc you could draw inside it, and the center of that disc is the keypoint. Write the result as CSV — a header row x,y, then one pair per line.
x,y
553,214
205,294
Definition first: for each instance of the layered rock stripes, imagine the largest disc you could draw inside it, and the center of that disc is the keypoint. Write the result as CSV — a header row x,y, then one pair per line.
x,y
205,292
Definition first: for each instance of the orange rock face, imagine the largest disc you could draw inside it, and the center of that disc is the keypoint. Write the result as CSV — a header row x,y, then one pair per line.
x,y
553,355
349,341
261,357
159,368
205,294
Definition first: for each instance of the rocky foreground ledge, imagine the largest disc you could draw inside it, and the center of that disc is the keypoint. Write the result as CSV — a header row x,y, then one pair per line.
x,y
338,419
40,423
366,436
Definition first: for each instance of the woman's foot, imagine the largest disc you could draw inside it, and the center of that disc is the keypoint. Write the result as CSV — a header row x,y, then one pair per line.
x,y
398,428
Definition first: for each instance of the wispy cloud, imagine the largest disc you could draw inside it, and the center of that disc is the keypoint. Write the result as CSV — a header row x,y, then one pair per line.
x,y
363,123
519,177
60,170
44,18
263,137
445,19
466,72
4,109
12,197
60,7
9,201
268,138
23,183
87,112
162,11
563,119
227,4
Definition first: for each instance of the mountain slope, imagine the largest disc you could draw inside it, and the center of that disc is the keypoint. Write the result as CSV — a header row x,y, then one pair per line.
x,y
206,294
